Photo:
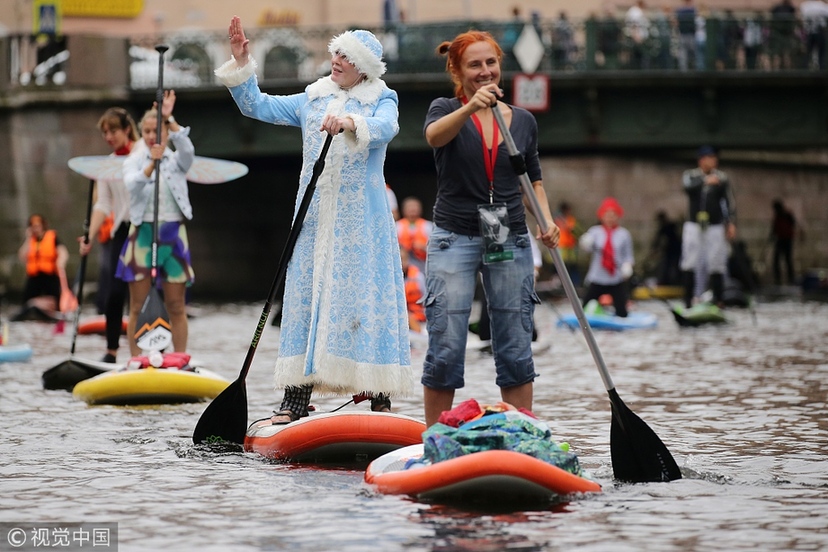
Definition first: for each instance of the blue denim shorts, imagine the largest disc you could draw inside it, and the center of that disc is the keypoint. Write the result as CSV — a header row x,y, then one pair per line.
x,y
452,265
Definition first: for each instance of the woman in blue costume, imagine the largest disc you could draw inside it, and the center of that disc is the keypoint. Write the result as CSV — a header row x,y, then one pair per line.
x,y
344,326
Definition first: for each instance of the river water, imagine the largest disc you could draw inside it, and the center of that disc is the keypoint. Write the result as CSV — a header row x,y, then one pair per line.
x,y
741,407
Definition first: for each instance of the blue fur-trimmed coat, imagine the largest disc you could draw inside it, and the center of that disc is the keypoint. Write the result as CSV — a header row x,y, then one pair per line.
x,y
344,319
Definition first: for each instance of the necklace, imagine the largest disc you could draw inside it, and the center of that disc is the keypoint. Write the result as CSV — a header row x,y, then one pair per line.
x,y
359,79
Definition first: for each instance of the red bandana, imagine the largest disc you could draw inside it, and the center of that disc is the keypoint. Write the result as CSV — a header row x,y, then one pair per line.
x,y
124,150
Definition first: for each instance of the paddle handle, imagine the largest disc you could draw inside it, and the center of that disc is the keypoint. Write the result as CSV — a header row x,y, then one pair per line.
x,y
519,165
287,253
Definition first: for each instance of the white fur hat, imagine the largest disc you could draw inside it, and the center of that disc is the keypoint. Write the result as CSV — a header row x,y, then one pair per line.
x,y
362,49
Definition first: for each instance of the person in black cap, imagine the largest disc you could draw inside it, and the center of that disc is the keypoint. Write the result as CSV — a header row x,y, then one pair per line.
x,y
710,224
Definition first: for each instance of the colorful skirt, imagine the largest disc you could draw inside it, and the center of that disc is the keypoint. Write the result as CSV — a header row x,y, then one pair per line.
x,y
173,254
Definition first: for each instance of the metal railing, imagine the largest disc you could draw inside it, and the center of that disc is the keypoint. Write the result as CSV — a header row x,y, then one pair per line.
x,y
750,42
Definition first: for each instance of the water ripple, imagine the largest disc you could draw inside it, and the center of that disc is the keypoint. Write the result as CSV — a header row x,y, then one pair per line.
x,y
741,407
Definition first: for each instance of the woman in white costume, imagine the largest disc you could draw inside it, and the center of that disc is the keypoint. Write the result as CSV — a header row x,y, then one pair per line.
x,y
344,320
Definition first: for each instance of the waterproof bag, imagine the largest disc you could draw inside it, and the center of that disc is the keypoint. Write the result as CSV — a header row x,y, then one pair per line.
x,y
494,228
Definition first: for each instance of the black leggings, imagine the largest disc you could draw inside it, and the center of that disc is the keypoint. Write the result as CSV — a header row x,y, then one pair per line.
x,y
118,291
619,294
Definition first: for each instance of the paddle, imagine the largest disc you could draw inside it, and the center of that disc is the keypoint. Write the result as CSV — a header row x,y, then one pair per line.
x,y
69,372
680,319
153,331
82,269
638,455
225,419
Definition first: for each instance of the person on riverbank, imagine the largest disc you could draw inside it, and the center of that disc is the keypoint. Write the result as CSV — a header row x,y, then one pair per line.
x,y
45,258
480,227
173,258
345,323
121,135
709,226
611,248
782,234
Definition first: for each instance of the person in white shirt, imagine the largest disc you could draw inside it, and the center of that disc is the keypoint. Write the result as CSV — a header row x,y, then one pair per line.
x,y
814,15
638,30
173,258
121,135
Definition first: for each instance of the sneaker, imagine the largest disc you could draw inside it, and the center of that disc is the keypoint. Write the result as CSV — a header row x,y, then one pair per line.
x,y
110,358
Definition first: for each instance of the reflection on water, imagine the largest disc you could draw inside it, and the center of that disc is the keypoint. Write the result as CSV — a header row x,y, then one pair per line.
x,y
741,407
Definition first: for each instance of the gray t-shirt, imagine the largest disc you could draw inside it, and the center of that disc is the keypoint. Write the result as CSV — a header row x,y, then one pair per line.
x,y
462,183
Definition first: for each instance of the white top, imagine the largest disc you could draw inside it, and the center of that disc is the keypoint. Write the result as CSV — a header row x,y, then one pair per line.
x,y
113,197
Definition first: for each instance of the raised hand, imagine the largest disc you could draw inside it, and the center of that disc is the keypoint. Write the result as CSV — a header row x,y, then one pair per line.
x,y
238,42
168,104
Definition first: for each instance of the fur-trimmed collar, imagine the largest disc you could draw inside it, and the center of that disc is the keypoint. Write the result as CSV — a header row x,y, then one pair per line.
x,y
366,92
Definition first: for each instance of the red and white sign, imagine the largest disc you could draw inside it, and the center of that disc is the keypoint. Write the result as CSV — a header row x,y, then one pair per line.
x,y
531,92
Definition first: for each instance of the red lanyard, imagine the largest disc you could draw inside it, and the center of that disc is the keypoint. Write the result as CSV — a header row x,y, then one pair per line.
x,y
489,154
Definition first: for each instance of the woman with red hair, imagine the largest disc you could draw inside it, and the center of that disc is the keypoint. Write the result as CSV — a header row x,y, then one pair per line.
x,y
611,247
479,225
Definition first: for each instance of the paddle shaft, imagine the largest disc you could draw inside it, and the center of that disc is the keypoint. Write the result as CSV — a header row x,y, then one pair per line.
x,y
159,100
225,419
82,269
520,169
287,253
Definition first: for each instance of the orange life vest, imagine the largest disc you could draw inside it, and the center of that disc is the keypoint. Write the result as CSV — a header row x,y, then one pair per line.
x,y
42,257
413,237
105,231
413,293
567,225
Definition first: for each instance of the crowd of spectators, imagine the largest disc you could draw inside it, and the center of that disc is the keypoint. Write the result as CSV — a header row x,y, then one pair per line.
x,y
691,37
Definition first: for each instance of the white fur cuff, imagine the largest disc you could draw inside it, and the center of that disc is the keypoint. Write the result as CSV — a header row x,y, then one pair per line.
x,y
359,139
230,74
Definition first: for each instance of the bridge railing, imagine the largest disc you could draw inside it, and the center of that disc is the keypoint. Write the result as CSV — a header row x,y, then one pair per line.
x,y
749,42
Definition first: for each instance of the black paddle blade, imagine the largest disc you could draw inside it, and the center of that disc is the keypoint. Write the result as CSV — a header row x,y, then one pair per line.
x,y
65,375
153,331
224,419
638,455
682,321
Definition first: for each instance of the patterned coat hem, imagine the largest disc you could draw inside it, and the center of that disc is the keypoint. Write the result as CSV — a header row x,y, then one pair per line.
x,y
342,376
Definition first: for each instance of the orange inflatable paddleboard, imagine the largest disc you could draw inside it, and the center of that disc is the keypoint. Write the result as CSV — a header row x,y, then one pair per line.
x,y
97,326
499,476
342,438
